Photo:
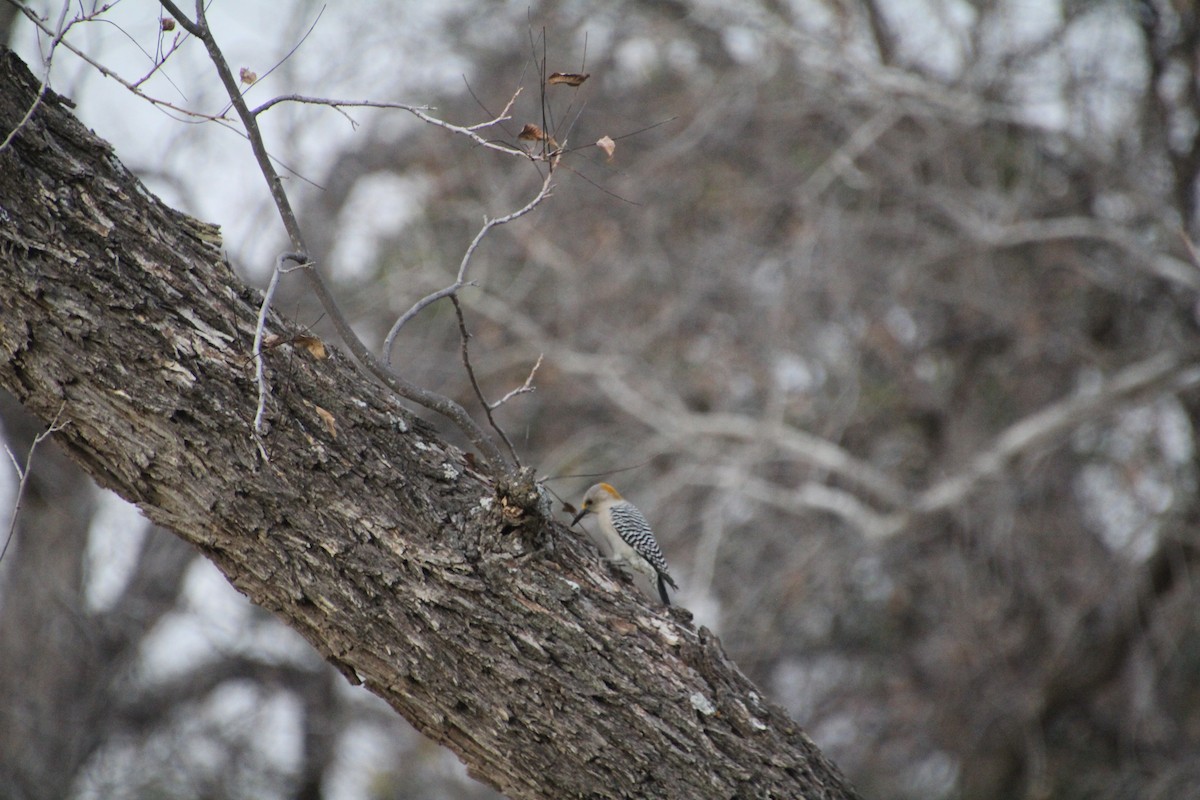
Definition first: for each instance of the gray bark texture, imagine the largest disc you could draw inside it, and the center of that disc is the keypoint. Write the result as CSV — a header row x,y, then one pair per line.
x,y
450,595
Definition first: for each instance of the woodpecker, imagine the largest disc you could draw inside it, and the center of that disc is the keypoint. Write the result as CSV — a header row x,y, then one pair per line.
x,y
626,540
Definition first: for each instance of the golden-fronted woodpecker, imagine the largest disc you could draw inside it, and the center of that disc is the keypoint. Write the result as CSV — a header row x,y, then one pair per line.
x,y
625,539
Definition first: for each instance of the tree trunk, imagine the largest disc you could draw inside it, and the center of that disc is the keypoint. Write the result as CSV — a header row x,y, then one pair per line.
x,y
454,598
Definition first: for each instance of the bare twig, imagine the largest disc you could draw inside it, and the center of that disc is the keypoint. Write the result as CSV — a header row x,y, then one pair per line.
x,y
1191,248
159,62
108,73
420,112
808,497
286,55
441,404
23,474
259,331
56,38
194,117
460,279
841,161
465,336
524,388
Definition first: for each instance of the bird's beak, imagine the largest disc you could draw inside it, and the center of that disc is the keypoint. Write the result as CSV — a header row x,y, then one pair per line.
x,y
579,516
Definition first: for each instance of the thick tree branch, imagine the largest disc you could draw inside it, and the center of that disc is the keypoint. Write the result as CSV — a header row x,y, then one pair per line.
x,y
372,538
1174,370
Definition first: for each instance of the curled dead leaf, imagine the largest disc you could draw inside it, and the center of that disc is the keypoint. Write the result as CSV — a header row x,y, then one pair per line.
x,y
568,78
247,76
606,144
314,346
531,133
511,514
166,24
329,420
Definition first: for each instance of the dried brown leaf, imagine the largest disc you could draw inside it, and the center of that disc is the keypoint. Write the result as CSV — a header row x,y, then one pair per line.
x,y
329,420
166,24
606,144
510,513
247,76
531,133
568,78
313,345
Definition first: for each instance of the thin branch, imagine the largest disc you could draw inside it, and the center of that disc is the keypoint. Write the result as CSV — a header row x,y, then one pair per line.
x,y
47,62
286,55
524,388
160,62
325,101
1191,248
1162,370
881,32
418,111
465,336
460,279
488,450
841,161
197,117
806,498
541,69
811,449
595,185
108,73
478,102
503,116
1034,231
259,331
23,474
417,307
623,135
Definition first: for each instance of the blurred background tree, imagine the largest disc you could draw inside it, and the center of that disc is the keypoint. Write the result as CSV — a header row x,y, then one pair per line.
x,y
892,327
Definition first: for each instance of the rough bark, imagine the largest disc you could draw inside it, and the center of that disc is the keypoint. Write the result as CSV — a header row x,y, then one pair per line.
x,y
455,599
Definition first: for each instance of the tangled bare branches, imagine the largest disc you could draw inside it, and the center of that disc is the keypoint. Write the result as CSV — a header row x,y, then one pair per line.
x,y
381,369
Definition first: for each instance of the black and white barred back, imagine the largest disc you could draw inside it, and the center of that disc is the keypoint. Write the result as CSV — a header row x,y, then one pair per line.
x,y
633,528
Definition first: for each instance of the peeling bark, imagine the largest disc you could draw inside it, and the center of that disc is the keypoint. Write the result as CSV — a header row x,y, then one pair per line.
x,y
480,620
